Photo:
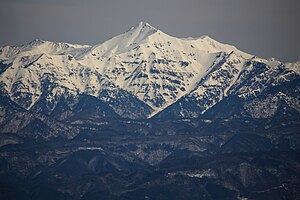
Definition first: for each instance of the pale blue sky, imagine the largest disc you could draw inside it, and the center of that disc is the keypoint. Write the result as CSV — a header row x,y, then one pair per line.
x,y
267,28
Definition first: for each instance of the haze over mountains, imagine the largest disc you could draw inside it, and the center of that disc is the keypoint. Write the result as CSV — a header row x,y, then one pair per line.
x,y
143,111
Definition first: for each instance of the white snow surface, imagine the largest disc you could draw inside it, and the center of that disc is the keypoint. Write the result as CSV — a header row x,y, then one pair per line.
x,y
294,66
156,68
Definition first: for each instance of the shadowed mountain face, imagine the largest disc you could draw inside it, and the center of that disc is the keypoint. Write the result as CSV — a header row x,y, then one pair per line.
x,y
147,116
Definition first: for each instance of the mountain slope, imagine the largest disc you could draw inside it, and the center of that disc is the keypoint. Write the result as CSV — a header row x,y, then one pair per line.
x,y
257,85
140,74
146,115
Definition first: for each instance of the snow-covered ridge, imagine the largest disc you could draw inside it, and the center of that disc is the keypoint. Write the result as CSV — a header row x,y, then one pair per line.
x,y
294,66
41,46
147,63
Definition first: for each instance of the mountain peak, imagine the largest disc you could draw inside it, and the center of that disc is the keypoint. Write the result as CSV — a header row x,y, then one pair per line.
x,y
206,37
126,41
36,42
143,29
142,25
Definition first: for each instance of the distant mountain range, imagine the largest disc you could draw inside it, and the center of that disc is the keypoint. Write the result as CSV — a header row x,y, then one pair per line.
x,y
145,115
145,73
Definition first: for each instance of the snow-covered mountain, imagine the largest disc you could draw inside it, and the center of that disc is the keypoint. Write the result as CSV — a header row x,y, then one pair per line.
x,y
146,73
